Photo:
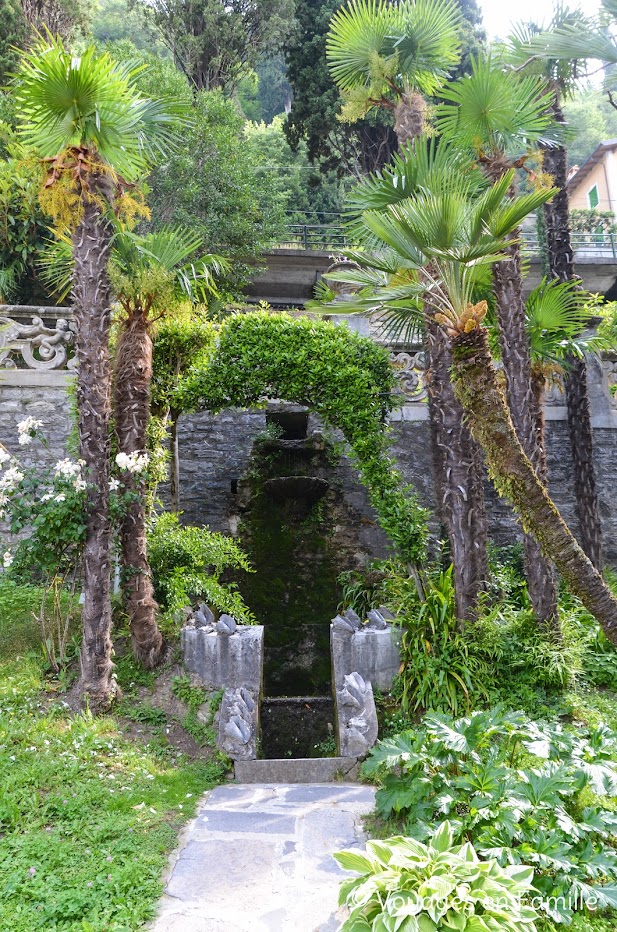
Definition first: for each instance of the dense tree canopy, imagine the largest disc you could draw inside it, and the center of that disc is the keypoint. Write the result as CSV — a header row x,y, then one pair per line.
x,y
361,148
215,42
21,19
214,183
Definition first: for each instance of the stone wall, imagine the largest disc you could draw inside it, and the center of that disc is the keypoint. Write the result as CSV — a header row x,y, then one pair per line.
x,y
42,395
215,453
216,450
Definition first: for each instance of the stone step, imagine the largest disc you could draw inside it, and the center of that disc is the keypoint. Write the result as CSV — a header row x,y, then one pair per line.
x,y
297,770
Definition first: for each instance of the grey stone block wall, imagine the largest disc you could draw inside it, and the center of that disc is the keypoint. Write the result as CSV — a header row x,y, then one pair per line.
x,y
216,451
42,395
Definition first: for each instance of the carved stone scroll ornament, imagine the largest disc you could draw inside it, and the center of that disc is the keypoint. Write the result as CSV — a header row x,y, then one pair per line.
x,y
409,368
40,346
609,373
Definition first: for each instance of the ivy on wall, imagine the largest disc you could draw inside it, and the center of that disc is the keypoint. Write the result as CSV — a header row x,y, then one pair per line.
x,y
344,378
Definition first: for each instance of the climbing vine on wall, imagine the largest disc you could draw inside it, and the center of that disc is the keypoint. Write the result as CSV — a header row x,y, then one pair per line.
x,y
345,378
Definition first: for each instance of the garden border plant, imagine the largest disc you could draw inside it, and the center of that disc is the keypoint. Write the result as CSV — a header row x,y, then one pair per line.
x,y
345,378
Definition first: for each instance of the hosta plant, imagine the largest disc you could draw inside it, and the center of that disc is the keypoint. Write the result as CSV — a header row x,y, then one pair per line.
x,y
407,886
522,792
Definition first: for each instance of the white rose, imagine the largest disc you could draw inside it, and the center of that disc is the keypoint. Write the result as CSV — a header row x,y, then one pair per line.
x,y
27,425
4,456
7,559
10,479
60,498
67,469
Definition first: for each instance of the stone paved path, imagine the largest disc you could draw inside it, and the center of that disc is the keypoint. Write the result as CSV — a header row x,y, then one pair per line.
x,y
258,858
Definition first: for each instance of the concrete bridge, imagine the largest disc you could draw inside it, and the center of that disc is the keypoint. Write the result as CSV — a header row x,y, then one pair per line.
x,y
289,274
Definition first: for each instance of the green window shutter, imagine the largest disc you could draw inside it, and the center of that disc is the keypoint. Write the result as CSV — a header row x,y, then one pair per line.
x,y
593,198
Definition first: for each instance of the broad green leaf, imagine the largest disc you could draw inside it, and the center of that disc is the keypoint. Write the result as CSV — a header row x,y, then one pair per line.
x,y
354,861
442,839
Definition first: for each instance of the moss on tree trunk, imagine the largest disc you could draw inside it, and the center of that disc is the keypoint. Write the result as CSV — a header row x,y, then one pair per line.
x,y
133,378
515,477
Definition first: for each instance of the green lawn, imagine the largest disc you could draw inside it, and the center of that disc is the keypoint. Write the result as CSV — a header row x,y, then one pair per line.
x,y
87,816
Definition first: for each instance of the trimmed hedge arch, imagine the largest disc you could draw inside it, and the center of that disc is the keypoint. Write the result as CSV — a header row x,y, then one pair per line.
x,y
345,378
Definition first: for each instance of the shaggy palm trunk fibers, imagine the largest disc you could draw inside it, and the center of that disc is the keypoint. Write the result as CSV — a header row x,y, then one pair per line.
x,y
516,356
92,307
133,378
561,266
458,476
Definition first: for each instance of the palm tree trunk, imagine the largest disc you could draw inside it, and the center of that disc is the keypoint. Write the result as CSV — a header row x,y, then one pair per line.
x,y
410,116
457,460
516,479
561,267
458,476
92,306
133,378
516,356
538,388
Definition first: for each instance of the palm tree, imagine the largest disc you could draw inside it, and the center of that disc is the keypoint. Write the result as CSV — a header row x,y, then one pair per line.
x,y
575,37
391,289
500,116
459,235
153,277
392,55
528,49
558,314
149,275
96,135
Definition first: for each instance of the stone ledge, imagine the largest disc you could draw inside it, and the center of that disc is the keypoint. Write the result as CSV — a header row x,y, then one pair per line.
x,y
298,770
36,378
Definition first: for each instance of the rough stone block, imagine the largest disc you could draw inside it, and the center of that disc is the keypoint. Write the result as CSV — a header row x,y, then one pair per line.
x,y
297,770
374,654
225,661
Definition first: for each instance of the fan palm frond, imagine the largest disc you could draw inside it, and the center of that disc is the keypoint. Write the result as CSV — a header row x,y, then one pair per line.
x,y
520,49
570,42
429,42
492,110
172,250
375,44
90,101
360,34
557,314
56,266
387,288
431,166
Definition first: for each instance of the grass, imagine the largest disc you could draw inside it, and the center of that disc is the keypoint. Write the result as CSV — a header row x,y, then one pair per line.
x,y
87,815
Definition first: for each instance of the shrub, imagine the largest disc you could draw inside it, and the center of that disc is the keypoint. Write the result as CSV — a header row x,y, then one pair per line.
x,y
187,563
438,670
523,793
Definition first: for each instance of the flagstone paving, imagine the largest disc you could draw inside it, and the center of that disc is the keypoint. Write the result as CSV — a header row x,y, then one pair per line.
x,y
258,858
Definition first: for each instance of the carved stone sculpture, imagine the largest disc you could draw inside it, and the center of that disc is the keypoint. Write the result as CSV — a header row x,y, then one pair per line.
x,y
237,724
40,346
357,716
